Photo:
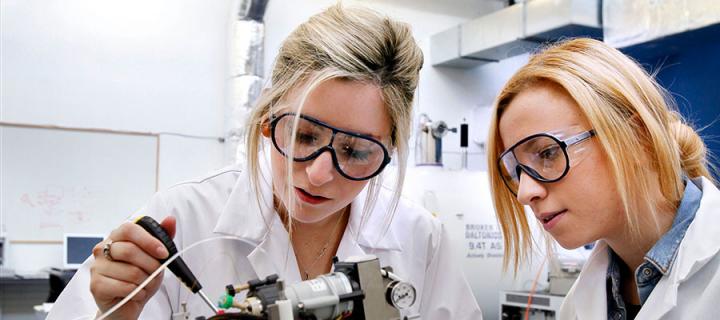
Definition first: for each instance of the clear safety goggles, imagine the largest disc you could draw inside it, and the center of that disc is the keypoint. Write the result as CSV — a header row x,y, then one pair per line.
x,y
355,156
543,156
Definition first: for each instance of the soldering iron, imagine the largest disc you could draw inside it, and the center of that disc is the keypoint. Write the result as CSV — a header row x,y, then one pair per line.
x,y
178,266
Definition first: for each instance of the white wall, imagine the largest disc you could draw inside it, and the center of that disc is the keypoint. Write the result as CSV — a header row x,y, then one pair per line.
x,y
283,16
157,66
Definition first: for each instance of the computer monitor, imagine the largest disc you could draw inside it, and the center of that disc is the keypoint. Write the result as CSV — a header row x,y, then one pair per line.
x,y
77,247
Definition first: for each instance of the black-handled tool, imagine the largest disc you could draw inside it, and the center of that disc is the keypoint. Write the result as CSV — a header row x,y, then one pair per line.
x,y
178,266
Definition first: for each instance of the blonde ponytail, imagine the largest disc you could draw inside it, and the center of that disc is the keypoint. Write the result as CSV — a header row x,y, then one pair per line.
x,y
693,152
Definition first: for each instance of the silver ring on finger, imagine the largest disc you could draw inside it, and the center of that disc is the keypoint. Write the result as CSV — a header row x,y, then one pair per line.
x,y
106,250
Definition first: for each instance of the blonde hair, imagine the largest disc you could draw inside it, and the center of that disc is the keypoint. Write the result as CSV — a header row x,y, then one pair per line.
x,y
349,43
628,109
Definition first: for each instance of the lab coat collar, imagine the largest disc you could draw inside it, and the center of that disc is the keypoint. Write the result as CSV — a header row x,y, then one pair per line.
x,y
372,235
700,244
246,217
593,274
662,255
702,240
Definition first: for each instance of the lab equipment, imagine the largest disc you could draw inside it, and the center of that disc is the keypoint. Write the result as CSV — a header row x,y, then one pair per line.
x,y
464,144
564,270
77,247
178,267
428,142
565,266
517,305
357,289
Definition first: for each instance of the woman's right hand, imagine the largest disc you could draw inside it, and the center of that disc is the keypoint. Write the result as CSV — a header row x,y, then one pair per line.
x,y
134,255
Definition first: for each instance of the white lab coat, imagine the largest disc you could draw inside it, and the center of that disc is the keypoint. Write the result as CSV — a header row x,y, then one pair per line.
x,y
690,291
224,204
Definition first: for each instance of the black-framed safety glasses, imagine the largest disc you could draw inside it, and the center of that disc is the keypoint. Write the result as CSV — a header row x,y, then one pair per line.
x,y
543,157
355,156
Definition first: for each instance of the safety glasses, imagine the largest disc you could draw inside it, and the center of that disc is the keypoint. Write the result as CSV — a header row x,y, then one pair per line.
x,y
543,157
355,156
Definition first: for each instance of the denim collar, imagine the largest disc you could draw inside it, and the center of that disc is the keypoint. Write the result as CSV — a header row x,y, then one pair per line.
x,y
663,253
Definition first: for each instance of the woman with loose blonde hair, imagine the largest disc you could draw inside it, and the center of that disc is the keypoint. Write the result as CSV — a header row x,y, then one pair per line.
x,y
337,110
321,50
595,147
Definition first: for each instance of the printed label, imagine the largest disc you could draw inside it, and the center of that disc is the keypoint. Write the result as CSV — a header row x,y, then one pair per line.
x,y
483,241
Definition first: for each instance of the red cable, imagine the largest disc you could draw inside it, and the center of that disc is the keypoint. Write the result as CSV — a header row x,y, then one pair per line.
x,y
532,289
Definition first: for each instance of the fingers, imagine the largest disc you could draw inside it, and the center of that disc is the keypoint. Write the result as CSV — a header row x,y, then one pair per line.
x,y
131,256
169,225
136,234
122,271
130,253
108,290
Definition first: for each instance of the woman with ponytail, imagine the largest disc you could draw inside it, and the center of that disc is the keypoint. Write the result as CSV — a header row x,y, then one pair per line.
x,y
587,139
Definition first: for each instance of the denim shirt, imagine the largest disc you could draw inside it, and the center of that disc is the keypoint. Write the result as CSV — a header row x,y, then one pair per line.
x,y
658,260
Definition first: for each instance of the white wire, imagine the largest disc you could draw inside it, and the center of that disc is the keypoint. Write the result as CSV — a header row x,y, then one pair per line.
x,y
160,269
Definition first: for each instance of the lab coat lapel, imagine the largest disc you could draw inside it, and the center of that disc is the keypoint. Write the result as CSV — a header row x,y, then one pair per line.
x,y
667,300
590,301
274,255
702,239
245,215
349,245
253,219
360,239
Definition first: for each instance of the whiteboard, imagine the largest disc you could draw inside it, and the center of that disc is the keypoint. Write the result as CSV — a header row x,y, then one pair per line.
x,y
54,181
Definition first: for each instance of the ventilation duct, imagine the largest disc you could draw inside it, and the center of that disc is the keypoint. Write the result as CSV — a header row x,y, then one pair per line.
x,y
514,30
246,64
